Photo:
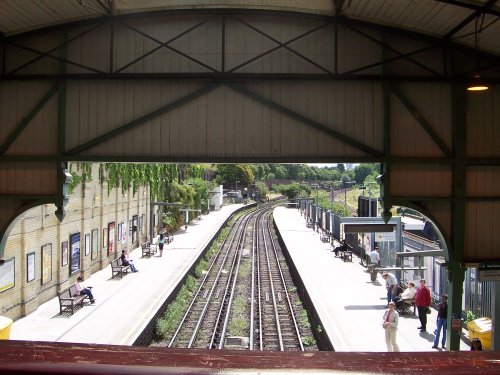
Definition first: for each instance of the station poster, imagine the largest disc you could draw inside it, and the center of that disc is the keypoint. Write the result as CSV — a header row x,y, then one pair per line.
x,y
111,238
74,241
7,274
46,263
124,232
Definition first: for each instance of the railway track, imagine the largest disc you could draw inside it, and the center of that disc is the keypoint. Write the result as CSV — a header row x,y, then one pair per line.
x,y
245,298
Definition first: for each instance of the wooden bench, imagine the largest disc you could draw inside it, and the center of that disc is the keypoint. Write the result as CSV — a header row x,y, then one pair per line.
x,y
69,299
118,269
408,306
148,249
325,236
404,306
346,255
345,252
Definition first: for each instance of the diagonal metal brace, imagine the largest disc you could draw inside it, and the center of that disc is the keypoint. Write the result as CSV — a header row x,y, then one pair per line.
x,y
305,120
130,125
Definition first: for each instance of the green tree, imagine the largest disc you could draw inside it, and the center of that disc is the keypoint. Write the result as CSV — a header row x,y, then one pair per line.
x,y
230,173
362,171
262,189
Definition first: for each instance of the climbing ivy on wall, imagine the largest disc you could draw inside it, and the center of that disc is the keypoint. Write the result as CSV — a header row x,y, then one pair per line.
x,y
158,176
85,170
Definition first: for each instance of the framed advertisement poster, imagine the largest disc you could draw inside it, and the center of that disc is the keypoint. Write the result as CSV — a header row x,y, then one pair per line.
x,y
111,238
124,232
104,238
64,253
95,243
30,267
87,244
46,263
7,274
119,239
74,243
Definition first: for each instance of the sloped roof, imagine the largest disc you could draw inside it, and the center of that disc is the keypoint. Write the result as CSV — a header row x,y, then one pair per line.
x,y
451,20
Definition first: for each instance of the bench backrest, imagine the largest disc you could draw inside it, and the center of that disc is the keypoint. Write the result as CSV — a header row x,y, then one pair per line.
x,y
68,292
116,262
65,293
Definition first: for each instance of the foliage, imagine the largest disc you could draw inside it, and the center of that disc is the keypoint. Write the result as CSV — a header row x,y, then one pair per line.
x,y
308,341
469,316
294,190
230,173
166,325
202,266
86,175
362,171
262,189
239,324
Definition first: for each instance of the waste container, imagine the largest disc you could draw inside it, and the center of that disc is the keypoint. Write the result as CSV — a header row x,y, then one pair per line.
x,y
481,328
5,324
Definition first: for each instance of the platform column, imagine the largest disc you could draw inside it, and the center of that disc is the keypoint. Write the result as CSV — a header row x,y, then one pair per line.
x,y
458,208
456,289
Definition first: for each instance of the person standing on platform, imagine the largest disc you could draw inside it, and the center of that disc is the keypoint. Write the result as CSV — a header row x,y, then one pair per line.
x,y
390,325
442,319
375,257
374,262
391,283
422,301
161,242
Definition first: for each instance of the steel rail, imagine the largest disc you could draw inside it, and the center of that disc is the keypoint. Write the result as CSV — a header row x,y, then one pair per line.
x,y
215,284
273,292
225,309
188,311
292,314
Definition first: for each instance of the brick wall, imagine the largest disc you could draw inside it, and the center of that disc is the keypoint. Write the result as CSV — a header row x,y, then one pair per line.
x,y
87,213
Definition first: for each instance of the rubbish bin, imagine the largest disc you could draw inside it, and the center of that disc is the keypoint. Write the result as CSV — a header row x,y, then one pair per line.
x,y
5,324
481,328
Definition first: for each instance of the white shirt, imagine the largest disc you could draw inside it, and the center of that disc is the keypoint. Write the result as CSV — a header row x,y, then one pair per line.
x,y
374,257
408,293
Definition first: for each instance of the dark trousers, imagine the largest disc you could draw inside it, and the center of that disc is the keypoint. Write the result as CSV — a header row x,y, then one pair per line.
x,y
422,316
87,292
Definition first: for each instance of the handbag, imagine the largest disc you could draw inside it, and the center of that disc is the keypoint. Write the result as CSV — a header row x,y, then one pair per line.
x,y
427,310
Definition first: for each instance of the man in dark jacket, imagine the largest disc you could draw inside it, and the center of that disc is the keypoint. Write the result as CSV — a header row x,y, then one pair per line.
x,y
441,322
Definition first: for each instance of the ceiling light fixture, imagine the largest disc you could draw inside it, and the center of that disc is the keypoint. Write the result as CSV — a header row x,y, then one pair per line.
x,y
476,84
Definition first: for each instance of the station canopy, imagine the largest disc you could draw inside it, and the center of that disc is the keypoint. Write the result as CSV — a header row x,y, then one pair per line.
x,y
472,23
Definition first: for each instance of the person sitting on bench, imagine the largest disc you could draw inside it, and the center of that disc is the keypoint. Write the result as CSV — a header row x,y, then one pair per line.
x,y
408,294
342,248
81,290
127,262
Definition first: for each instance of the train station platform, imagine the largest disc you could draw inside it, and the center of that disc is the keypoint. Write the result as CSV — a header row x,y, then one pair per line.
x,y
349,305
124,306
